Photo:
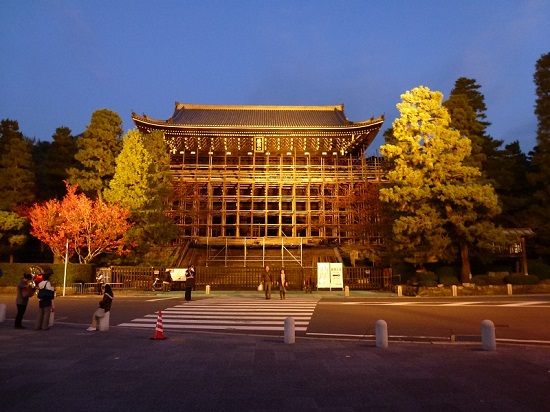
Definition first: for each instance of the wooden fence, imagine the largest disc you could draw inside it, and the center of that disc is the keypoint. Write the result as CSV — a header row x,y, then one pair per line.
x,y
248,278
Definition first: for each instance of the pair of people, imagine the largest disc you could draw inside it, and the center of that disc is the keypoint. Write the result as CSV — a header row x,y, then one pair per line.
x,y
267,281
46,294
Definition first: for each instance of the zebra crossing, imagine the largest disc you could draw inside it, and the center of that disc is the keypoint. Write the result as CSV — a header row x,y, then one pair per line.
x,y
510,304
232,315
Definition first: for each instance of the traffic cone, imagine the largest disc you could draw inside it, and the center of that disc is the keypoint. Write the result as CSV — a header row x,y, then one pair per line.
x,y
158,335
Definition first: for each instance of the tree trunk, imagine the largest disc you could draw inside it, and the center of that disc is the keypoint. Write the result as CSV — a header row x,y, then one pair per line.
x,y
466,273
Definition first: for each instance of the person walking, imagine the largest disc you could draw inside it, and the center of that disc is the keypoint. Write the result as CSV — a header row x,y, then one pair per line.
x,y
267,280
25,289
46,295
189,282
104,307
283,284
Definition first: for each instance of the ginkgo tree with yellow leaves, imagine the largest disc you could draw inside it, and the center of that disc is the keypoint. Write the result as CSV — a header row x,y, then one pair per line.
x,y
442,206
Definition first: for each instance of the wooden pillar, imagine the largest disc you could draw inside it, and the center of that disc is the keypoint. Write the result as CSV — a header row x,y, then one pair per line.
x,y
524,257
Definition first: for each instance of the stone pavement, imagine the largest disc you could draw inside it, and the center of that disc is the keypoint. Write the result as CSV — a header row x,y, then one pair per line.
x,y
69,369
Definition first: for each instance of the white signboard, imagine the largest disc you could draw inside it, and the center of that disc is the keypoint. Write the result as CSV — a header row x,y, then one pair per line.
x,y
336,276
330,275
178,275
323,275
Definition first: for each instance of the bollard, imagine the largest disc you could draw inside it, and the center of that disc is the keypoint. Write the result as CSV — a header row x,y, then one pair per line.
x,y
290,334
346,291
399,290
488,339
208,289
2,312
104,322
509,286
381,334
455,290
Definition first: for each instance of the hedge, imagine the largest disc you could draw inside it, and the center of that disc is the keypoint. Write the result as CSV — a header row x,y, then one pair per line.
x,y
76,273
521,280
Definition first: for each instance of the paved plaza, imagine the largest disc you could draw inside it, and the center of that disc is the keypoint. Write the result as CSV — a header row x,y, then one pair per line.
x,y
67,368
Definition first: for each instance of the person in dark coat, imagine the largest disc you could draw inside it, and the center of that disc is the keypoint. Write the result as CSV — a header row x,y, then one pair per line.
x,y
24,288
268,281
189,282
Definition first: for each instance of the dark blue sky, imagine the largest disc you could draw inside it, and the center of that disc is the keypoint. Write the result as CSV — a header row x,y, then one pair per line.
x,y
62,59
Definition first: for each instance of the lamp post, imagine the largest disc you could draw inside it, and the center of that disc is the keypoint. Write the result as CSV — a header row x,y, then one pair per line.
x,y
66,261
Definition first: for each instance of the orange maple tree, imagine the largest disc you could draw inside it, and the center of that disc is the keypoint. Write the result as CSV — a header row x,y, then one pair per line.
x,y
90,227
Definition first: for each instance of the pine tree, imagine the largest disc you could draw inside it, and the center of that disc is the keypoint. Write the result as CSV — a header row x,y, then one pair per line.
x,y
17,180
442,207
98,148
58,158
142,182
539,178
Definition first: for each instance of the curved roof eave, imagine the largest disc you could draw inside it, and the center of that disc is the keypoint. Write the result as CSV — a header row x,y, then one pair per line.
x,y
352,126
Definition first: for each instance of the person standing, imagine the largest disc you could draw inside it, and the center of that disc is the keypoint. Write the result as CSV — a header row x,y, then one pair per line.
x,y
99,282
283,284
104,307
45,302
189,282
267,282
24,290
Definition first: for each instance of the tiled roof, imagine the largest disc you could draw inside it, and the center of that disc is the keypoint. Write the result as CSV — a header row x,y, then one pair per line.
x,y
260,116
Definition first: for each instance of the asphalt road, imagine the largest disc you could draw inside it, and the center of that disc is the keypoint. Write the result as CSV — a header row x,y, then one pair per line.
x,y
516,318
522,318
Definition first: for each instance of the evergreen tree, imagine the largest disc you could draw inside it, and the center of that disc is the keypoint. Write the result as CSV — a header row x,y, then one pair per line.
x,y
442,208
17,180
57,158
540,208
485,149
464,119
142,182
13,233
98,148
513,192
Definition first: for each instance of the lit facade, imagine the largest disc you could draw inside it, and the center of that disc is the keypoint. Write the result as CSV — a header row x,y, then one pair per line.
x,y
274,172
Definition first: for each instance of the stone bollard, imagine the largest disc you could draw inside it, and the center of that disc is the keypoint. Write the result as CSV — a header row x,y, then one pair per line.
x,y
455,290
399,291
346,291
488,339
208,289
104,322
381,334
290,333
509,287
3,308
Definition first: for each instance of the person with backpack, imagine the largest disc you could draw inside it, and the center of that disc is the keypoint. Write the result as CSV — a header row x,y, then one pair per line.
x,y
25,289
46,295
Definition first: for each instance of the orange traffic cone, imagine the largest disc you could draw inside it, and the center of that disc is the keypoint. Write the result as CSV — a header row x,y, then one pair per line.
x,y
158,328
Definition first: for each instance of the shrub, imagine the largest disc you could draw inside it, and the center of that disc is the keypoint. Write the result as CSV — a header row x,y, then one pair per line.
x,y
482,280
447,271
426,279
521,280
449,280
539,269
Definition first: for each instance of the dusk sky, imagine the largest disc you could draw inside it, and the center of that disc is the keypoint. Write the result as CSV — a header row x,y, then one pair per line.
x,y
62,60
